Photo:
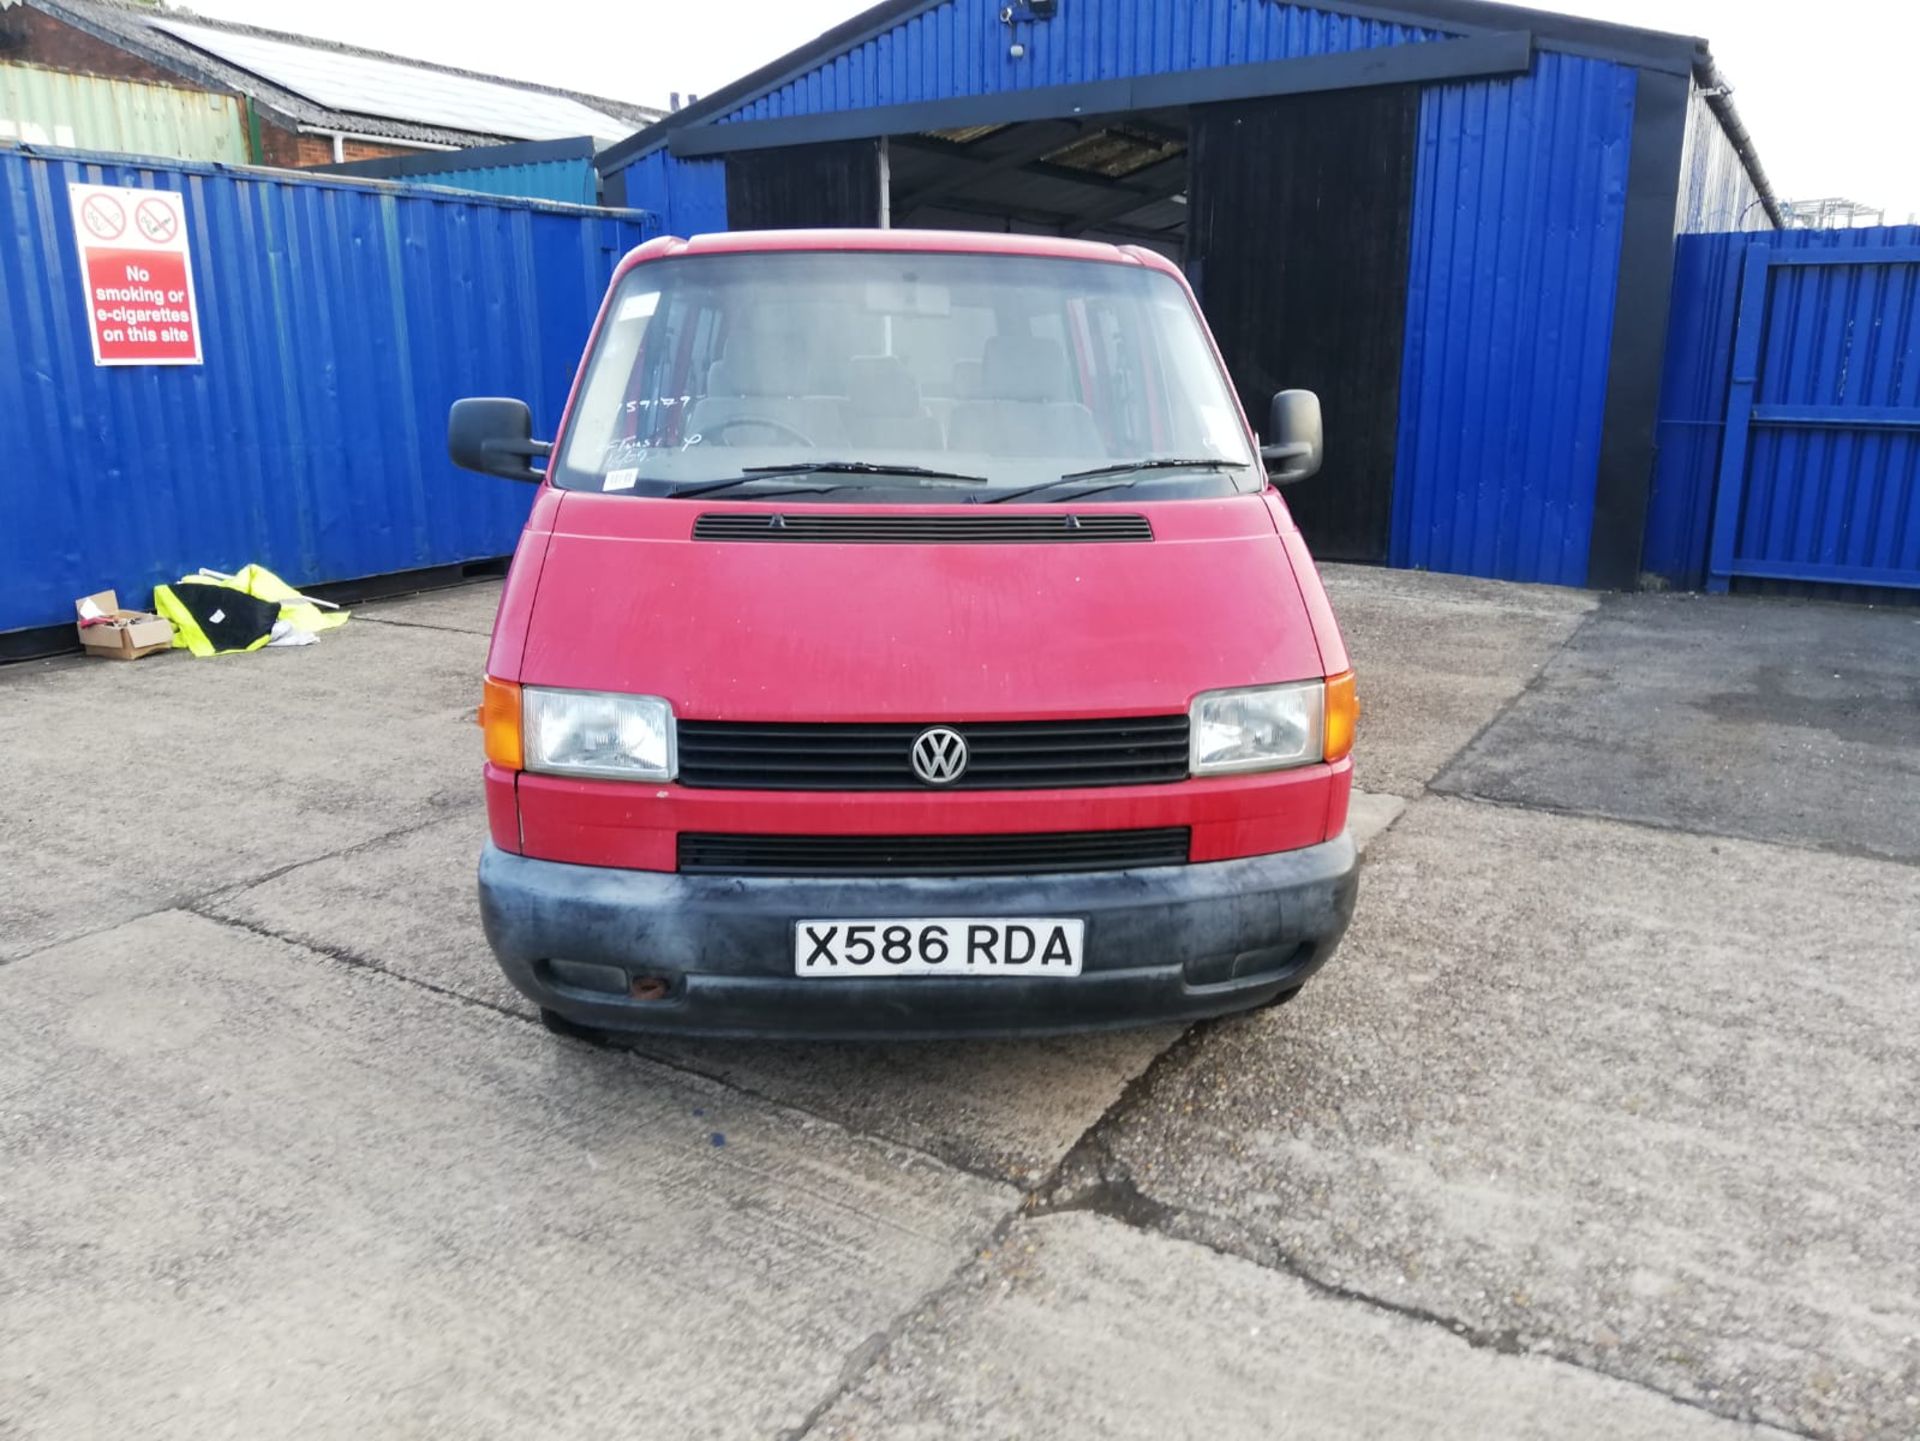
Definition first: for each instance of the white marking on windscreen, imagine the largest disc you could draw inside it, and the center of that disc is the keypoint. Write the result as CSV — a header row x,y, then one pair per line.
x,y
637,307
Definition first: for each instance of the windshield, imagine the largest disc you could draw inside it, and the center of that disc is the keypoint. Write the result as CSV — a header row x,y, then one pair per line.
x,y
807,373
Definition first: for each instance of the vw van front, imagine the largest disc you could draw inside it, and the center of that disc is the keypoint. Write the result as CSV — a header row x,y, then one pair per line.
x,y
908,639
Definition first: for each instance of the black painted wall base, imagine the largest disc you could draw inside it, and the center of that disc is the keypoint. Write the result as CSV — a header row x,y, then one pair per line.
x,y
1301,213
834,185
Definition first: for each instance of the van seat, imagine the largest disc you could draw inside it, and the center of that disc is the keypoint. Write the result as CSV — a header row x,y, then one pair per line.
x,y
760,384
884,408
1026,405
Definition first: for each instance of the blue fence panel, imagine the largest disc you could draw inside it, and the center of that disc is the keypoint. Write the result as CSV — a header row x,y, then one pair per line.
x,y
1820,469
1694,387
338,321
1519,198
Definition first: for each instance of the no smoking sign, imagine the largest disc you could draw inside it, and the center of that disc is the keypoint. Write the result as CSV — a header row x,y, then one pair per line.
x,y
138,272
158,222
103,218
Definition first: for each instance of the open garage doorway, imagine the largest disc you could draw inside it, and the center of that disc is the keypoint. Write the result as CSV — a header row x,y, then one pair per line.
x,y
1290,215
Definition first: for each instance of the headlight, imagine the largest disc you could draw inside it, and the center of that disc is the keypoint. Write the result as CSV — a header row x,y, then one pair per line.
x,y
1263,728
597,733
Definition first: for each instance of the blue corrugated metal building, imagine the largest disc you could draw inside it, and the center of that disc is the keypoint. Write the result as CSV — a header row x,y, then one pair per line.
x,y
560,170
1506,184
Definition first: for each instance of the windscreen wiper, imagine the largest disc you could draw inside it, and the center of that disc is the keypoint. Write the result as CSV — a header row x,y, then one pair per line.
x,y
1121,468
863,467
1127,467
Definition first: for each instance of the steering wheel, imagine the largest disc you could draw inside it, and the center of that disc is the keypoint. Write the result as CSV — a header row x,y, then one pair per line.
x,y
715,431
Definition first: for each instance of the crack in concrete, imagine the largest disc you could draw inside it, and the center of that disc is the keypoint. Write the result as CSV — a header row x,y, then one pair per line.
x,y
1675,828
172,904
343,956
424,625
238,888
1507,706
611,1044
864,1357
1092,1179
193,900
955,1160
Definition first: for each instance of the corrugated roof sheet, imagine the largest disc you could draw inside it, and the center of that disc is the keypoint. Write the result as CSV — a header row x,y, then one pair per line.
x,y
1115,152
137,30
400,90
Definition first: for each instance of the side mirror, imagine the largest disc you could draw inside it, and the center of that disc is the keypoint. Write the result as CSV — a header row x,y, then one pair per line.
x,y
495,437
1295,445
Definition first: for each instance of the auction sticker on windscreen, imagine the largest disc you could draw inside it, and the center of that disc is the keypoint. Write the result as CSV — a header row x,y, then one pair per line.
x,y
138,275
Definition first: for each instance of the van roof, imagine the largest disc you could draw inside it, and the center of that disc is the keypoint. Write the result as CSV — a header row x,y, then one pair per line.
x,y
963,242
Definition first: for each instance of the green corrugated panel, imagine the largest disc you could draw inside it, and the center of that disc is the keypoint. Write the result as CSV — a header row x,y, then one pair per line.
x,y
50,107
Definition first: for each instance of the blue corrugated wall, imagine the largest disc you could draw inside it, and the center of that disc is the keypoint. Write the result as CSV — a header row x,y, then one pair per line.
x,y
573,181
1693,390
1519,200
339,322
962,48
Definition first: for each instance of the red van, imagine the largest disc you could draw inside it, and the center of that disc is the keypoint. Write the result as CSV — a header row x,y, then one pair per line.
x,y
908,640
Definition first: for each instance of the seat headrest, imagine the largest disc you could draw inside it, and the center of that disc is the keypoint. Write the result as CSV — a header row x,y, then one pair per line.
x,y
750,371
1025,367
881,385
764,355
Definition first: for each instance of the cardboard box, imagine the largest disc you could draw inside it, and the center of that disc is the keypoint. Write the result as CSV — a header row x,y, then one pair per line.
x,y
121,634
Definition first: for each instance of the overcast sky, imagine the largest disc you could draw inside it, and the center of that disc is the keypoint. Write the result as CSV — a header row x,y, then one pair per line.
x,y
1827,90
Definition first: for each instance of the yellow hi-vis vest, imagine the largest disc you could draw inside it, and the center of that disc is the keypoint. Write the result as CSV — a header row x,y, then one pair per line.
x,y
218,614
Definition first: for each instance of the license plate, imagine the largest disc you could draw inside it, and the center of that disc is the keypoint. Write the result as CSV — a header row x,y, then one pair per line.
x,y
938,947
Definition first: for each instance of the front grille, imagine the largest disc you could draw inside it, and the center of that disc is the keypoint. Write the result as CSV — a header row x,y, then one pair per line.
x,y
1001,755
1018,855
986,529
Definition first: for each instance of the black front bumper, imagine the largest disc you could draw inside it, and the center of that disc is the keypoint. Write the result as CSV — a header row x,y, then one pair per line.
x,y
1171,943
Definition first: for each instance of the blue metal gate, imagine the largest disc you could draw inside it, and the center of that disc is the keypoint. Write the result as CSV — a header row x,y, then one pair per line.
x,y
1820,469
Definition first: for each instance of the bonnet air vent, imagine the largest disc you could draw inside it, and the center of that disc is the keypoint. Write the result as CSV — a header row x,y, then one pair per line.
x,y
924,529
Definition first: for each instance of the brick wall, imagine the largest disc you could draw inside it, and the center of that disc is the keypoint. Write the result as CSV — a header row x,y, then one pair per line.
x,y
30,38
295,152
367,150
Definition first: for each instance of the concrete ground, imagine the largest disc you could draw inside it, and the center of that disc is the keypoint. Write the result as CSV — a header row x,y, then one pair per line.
x,y
1601,1123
